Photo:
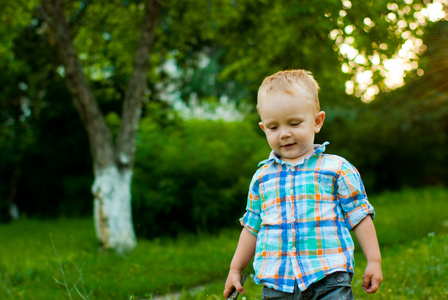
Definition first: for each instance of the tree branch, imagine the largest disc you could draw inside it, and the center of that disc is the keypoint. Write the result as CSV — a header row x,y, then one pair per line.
x,y
99,135
132,105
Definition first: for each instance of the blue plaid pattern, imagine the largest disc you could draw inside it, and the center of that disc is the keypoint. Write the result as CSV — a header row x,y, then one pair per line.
x,y
302,216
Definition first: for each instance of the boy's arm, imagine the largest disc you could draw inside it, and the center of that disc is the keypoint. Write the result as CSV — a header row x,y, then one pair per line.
x,y
244,253
366,235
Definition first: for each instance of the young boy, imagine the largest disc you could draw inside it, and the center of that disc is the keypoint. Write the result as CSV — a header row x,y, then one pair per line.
x,y
302,204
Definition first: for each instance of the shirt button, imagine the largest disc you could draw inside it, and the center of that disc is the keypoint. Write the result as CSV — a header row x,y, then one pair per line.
x,y
292,220
291,192
293,249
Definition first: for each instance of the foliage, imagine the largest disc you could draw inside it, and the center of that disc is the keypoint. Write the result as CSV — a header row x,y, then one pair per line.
x,y
263,37
219,49
193,175
45,155
60,147
411,227
14,16
396,140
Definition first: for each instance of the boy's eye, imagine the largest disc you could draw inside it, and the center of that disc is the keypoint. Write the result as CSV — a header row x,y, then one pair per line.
x,y
273,127
295,124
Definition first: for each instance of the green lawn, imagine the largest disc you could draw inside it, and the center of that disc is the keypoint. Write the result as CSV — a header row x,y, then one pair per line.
x,y
412,227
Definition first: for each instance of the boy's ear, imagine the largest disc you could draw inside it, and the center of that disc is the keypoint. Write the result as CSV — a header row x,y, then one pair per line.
x,y
261,125
319,121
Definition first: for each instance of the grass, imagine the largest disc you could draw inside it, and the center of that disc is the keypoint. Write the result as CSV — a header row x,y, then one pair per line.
x,y
29,266
412,227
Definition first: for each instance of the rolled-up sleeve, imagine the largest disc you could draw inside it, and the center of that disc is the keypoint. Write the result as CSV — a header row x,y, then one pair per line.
x,y
251,220
352,196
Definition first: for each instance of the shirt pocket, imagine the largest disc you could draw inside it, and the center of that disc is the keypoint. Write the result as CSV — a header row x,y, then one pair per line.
x,y
326,185
324,205
268,184
272,209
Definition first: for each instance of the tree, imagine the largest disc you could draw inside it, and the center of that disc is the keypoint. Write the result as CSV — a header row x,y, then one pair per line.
x,y
262,37
113,154
112,162
247,39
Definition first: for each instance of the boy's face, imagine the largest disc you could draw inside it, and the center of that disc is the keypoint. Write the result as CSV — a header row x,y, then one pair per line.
x,y
290,123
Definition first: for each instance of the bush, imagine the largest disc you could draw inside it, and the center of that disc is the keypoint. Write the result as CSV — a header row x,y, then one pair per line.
x,y
193,175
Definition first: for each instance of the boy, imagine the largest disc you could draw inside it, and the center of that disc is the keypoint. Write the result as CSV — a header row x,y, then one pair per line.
x,y
302,204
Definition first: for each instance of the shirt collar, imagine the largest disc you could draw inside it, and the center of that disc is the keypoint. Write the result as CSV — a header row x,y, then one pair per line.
x,y
274,157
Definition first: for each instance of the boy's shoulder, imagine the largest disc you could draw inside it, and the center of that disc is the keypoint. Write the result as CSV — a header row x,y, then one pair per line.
x,y
263,167
329,158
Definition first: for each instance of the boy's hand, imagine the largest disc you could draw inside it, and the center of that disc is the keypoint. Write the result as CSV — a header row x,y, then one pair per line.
x,y
372,277
233,281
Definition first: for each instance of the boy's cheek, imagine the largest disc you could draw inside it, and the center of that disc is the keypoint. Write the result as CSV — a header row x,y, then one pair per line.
x,y
271,141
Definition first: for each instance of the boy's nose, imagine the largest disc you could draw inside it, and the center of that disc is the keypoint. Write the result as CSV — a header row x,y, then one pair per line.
x,y
285,133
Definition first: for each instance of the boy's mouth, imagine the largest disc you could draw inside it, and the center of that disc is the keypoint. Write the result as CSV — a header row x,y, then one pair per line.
x,y
288,145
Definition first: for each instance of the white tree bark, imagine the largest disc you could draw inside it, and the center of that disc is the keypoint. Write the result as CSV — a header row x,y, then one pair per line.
x,y
112,209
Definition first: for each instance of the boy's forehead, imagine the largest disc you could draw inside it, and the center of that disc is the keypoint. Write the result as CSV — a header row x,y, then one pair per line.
x,y
273,96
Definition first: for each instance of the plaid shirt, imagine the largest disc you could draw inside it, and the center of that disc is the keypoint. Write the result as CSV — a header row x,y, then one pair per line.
x,y
302,216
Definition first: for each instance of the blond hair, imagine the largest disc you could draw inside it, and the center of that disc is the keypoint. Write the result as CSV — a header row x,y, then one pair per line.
x,y
292,82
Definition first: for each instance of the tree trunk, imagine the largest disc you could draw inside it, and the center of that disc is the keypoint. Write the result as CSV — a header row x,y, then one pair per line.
x,y
112,163
112,209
